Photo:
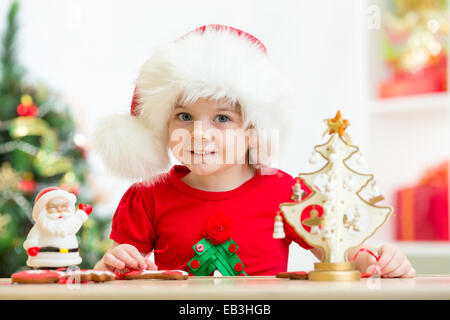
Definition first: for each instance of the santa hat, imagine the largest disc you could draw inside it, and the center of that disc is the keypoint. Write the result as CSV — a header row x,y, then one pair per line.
x,y
213,61
47,194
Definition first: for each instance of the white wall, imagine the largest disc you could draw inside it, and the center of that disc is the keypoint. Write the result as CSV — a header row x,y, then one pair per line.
x,y
90,52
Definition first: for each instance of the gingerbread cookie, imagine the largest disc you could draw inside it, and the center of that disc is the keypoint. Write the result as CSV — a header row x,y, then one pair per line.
x,y
157,274
90,275
298,275
36,276
283,275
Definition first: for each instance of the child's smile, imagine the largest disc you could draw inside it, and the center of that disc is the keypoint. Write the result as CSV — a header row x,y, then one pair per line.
x,y
202,154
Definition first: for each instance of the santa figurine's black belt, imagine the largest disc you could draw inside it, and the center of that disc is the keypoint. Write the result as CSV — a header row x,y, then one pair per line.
x,y
60,250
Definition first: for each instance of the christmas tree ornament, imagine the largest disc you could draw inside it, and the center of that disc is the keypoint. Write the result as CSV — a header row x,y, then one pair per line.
x,y
52,241
9,178
375,194
313,158
360,159
27,185
4,221
10,187
8,229
312,218
210,257
337,125
27,108
70,182
336,217
216,251
278,229
48,162
297,192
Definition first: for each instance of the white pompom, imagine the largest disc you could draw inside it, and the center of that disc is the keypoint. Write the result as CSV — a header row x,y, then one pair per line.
x,y
374,191
330,195
313,158
349,183
331,185
360,159
333,157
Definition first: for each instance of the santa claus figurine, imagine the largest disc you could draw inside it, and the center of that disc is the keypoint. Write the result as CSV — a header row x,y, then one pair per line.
x,y
52,242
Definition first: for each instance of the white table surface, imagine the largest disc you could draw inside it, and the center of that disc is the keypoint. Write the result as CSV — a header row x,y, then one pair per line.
x,y
436,287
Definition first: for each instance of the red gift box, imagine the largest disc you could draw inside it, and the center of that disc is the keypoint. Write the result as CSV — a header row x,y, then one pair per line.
x,y
422,211
428,80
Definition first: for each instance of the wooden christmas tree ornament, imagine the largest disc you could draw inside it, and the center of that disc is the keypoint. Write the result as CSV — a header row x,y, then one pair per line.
x,y
337,215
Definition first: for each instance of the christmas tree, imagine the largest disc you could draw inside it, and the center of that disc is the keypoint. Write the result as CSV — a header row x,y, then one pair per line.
x,y
38,148
339,209
216,251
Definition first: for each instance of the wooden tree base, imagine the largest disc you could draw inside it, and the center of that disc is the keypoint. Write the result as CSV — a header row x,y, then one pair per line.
x,y
326,271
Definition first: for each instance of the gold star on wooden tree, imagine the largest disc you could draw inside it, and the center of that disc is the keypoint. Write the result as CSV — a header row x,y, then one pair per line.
x,y
338,125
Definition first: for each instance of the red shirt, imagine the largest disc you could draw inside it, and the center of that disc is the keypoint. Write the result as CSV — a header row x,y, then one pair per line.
x,y
171,215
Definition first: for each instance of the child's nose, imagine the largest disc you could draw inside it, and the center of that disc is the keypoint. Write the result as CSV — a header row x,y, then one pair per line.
x,y
202,130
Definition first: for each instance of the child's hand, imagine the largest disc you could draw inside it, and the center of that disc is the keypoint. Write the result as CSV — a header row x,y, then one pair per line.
x,y
124,256
393,263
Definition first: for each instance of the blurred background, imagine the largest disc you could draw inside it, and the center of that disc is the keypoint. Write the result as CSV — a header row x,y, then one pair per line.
x,y
65,64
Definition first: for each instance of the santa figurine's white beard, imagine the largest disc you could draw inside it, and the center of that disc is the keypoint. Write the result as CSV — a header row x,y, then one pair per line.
x,y
59,227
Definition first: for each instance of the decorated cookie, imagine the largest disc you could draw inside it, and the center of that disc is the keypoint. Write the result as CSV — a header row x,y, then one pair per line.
x,y
157,274
36,276
283,275
89,275
298,275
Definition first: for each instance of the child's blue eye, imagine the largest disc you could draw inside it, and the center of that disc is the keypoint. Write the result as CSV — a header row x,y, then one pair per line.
x,y
222,118
183,116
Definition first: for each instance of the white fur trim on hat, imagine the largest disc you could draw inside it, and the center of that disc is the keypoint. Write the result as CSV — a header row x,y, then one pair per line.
x,y
42,201
130,148
213,64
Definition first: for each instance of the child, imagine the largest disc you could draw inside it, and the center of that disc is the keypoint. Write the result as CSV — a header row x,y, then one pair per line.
x,y
190,95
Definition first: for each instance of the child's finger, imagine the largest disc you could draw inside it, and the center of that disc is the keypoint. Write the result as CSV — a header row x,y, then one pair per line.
x,y
125,257
411,273
110,268
387,255
151,266
136,255
110,260
401,270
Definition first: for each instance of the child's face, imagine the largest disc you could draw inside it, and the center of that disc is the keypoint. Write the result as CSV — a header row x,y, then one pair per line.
x,y
207,136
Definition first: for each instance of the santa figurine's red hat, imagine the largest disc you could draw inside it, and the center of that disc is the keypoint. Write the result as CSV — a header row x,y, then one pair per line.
x,y
47,194
212,61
